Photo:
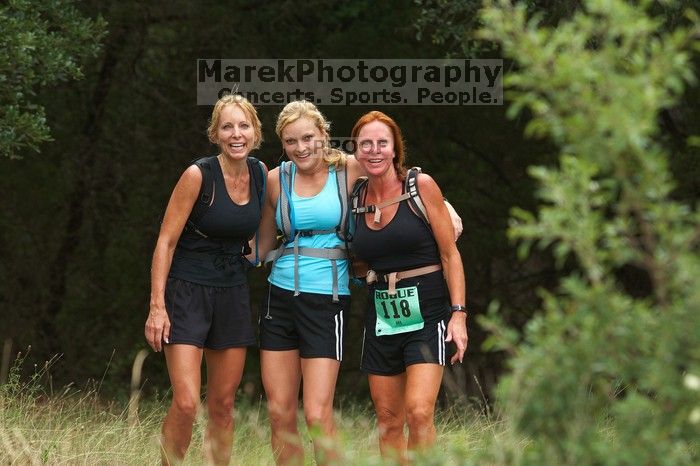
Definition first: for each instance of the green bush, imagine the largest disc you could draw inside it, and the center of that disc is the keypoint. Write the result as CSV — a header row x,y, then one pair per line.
x,y
608,371
41,44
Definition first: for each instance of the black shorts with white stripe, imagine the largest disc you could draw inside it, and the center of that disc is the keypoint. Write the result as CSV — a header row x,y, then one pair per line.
x,y
391,354
310,322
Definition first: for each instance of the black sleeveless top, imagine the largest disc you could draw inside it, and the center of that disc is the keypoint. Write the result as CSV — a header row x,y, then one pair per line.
x,y
217,260
406,242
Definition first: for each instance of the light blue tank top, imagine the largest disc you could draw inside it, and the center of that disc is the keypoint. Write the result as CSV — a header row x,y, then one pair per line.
x,y
319,212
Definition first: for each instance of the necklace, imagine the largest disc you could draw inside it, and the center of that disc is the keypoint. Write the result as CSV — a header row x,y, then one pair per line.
x,y
229,172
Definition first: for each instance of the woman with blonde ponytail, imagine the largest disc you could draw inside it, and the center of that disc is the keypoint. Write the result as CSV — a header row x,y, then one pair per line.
x,y
302,318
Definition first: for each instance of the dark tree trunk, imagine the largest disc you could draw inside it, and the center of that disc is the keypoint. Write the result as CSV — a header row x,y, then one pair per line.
x,y
78,198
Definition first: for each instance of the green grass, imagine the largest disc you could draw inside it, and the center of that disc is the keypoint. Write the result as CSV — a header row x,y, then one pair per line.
x,y
76,427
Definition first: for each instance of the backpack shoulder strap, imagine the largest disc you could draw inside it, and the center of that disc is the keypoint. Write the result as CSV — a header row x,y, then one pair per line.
x,y
358,190
259,178
341,176
356,199
418,206
284,201
411,187
259,174
206,192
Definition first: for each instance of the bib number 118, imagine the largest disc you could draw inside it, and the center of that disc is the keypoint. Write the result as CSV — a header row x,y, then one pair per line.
x,y
403,307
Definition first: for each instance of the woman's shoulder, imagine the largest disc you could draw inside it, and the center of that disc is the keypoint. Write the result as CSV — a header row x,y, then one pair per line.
x,y
354,169
273,171
192,174
425,180
428,187
273,178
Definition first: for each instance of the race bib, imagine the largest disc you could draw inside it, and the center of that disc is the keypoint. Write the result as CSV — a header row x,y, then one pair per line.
x,y
397,313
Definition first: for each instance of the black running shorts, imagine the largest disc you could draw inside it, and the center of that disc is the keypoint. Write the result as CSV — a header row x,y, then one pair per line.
x,y
310,322
390,354
208,316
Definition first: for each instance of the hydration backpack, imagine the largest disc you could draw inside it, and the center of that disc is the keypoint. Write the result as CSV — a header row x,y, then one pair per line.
x,y
411,194
290,235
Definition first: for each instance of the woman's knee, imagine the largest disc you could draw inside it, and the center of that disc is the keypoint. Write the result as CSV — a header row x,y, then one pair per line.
x,y
389,420
220,408
185,406
282,415
318,414
420,416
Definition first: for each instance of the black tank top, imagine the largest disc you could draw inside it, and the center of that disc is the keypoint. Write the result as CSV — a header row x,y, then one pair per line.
x,y
217,260
406,242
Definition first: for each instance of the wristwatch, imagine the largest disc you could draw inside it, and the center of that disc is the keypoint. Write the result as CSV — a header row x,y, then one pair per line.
x,y
458,307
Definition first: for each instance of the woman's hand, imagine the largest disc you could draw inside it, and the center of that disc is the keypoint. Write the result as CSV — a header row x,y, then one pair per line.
x,y
457,333
157,328
359,268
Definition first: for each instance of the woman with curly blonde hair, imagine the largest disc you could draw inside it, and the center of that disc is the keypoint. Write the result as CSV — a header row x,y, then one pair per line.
x,y
302,320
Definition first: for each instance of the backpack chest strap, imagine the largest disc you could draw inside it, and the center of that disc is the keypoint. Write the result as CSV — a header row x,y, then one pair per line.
x,y
332,254
307,233
377,208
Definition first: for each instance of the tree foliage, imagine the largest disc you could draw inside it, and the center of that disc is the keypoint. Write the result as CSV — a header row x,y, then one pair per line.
x,y
607,372
41,44
78,224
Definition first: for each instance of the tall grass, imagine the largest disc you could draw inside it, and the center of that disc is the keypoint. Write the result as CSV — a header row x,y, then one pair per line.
x,y
76,427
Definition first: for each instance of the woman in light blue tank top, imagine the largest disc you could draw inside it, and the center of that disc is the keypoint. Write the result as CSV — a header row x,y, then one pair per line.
x,y
302,318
